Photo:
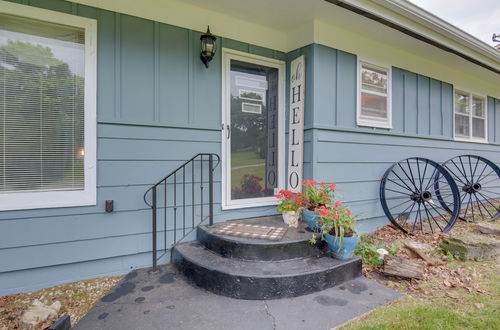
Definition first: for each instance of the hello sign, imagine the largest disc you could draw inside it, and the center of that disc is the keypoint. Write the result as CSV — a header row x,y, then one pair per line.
x,y
296,128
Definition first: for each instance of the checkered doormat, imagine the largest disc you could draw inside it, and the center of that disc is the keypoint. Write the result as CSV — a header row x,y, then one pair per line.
x,y
252,231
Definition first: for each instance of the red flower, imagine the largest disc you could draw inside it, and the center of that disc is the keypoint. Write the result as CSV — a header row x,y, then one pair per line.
x,y
325,212
338,203
288,194
309,183
335,216
322,183
332,186
278,196
348,212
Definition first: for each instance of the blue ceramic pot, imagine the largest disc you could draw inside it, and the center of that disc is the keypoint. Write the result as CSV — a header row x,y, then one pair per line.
x,y
347,249
312,219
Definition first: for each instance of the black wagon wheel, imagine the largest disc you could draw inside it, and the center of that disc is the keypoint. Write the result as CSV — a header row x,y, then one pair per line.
x,y
409,198
478,180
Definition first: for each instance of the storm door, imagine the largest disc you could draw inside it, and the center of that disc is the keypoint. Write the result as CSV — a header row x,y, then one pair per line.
x,y
252,129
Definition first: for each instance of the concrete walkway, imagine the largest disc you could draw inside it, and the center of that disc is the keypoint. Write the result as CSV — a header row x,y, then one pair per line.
x,y
164,300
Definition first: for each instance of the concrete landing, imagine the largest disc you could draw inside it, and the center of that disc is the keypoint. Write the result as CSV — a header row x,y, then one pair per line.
x,y
164,300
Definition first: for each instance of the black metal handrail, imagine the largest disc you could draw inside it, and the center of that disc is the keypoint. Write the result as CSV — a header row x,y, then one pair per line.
x,y
159,202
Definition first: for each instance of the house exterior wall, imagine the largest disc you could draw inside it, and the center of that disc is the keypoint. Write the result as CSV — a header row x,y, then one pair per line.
x,y
157,106
356,157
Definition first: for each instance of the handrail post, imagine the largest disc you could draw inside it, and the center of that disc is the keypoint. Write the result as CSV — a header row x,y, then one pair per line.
x,y
154,228
211,189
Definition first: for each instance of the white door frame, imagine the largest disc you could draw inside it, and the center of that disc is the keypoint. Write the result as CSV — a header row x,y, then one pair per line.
x,y
227,56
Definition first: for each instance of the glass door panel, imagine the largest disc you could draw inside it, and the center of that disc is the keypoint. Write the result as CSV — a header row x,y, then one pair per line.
x,y
253,130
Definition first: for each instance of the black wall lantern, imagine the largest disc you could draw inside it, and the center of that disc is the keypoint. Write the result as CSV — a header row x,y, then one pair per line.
x,y
207,47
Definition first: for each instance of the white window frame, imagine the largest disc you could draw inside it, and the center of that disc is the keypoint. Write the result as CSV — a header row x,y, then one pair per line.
x,y
227,56
51,199
373,121
485,102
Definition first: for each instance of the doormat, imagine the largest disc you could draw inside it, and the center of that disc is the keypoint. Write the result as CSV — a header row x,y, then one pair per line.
x,y
252,231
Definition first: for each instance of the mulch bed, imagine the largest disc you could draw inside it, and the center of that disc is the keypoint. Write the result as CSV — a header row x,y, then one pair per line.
x,y
438,279
76,298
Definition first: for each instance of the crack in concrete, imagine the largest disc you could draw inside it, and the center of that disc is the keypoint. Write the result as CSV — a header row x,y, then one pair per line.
x,y
268,312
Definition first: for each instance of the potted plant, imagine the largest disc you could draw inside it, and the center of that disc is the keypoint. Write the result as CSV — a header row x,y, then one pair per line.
x,y
337,228
316,195
290,207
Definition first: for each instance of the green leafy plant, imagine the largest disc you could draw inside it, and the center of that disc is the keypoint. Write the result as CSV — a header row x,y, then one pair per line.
x,y
449,256
336,221
367,250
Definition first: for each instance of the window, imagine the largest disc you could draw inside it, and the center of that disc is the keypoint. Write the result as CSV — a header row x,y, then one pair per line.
x,y
374,102
47,109
470,116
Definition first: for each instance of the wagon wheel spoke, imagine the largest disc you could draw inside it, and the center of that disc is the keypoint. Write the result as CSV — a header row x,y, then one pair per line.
x,y
412,200
478,186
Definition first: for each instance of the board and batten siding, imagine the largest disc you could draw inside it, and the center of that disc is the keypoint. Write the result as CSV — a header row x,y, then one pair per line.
x,y
157,106
356,157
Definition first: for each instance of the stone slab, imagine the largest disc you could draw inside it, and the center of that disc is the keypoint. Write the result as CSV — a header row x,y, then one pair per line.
x,y
472,246
164,300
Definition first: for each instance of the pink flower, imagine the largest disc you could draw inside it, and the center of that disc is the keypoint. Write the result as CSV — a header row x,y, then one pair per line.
x,y
348,212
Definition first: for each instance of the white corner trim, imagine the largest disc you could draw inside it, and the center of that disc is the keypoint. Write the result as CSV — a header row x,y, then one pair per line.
x,y
87,196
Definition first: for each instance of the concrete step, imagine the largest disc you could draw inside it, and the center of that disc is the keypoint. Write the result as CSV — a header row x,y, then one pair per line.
x,y
295,243
258,280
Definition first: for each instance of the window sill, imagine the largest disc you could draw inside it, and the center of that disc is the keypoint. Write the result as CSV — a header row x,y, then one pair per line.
x,y
43,200
482,141
375,124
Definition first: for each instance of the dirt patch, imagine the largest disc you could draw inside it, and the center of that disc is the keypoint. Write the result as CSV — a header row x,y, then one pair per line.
x,y
77,299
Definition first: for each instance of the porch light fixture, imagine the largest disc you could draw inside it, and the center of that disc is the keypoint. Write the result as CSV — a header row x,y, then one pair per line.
x,y
207,47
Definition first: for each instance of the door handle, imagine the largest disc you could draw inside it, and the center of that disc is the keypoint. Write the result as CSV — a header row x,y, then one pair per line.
x,y
228,134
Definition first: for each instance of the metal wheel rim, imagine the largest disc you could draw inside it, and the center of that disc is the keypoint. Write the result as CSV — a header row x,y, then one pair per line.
x,y
478,198
433,212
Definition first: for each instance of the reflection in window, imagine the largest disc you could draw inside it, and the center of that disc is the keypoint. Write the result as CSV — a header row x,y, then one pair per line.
x,y
470,116
374,107
41,106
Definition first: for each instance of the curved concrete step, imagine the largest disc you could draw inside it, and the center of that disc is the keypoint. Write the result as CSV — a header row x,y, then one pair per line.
x,y
295,243
256,280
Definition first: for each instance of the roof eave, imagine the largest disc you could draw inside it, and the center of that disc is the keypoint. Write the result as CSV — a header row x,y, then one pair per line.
x,y
490,57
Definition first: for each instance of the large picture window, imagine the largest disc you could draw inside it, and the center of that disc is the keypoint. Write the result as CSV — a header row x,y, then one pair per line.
x,y
470,116
374,103
47,109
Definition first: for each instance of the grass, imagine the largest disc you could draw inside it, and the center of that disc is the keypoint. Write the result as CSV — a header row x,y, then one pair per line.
x,y
448,308
246,158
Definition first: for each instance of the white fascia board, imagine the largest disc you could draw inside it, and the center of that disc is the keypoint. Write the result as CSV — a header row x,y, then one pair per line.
x,y
471,46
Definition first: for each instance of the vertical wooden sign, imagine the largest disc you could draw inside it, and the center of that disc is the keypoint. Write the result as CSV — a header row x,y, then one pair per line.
x,y
296,124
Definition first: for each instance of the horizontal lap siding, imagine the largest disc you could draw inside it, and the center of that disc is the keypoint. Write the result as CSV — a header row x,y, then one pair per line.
x,y
357,157
157,106
357,162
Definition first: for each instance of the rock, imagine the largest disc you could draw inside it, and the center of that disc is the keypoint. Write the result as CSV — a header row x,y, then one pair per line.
x,y
472,246
39,312
487,228
420,246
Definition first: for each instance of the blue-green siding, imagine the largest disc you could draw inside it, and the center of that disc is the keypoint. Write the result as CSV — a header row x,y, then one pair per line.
x,y
157,106
356,157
